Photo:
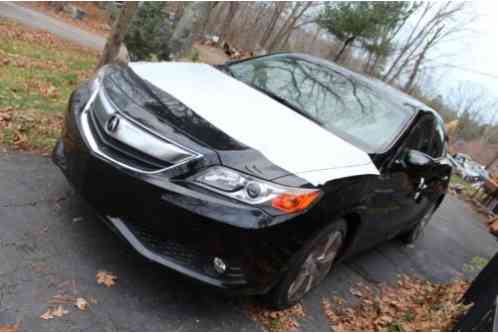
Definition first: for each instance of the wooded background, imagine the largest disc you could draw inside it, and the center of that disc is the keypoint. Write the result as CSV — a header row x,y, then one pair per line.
x,y
400,43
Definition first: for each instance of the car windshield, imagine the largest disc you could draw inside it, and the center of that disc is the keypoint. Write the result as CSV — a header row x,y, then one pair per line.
x,y
363,113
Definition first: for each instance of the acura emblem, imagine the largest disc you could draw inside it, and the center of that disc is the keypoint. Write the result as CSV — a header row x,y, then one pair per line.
x,y
112,124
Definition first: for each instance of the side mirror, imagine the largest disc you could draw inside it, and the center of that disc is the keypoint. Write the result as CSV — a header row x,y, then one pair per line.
x,y
416,158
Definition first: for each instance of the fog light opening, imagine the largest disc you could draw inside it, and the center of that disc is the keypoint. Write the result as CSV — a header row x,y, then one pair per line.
x,y
219,265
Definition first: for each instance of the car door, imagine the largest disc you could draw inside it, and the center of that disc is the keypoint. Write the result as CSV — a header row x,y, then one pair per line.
x,y
395,199
400,192
421,187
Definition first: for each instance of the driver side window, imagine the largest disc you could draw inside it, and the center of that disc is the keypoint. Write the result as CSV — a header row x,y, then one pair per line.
x,y
420,137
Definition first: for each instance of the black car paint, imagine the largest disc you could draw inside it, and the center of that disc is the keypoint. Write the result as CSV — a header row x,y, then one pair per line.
x,y
171,118
254,242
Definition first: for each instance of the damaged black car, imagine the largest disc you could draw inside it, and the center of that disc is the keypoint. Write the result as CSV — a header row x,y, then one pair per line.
x,y
255,176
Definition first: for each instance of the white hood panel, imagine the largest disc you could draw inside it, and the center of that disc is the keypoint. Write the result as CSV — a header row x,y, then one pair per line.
x,y
283,136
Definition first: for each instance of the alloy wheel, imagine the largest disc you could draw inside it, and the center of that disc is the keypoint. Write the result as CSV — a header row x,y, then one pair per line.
x,y
316,266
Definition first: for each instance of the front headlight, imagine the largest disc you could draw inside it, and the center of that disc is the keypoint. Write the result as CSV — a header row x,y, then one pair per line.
x,y
255,191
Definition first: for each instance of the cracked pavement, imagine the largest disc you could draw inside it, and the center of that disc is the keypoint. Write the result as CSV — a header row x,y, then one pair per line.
x,y
51,243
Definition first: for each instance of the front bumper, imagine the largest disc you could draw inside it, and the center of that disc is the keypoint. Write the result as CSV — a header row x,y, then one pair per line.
x,y
175,225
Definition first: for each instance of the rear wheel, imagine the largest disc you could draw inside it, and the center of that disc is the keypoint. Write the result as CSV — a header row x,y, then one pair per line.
x,y
309,266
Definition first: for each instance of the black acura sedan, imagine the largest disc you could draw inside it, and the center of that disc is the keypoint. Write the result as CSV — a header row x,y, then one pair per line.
x,y
255,176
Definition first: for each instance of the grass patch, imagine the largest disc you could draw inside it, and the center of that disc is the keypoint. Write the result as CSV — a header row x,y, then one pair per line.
x,y
467,188
38,72
476,264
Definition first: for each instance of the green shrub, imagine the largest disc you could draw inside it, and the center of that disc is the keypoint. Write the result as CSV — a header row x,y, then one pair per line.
x,y
149,33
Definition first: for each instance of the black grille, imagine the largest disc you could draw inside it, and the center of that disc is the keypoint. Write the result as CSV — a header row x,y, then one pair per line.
x,y
122,152
164,246
184,246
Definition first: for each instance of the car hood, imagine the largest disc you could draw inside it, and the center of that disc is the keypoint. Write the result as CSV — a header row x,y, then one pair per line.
x,y
256,124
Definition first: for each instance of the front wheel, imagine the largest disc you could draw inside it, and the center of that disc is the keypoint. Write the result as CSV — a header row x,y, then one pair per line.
x,y
309,266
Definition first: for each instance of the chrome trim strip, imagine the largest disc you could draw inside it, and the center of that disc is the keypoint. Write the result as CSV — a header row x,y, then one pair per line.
x,y
95,147
113,106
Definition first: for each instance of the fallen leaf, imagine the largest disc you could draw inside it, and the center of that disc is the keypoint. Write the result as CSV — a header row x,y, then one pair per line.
x,y
106,278
59,311
81,303
284,320
62,299
9,328
410,305
54,312
356,292
52,92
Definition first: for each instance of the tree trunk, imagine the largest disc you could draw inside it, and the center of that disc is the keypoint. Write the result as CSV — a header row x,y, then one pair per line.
x,y
375,63
215,20
412,37
285,42
368,62
344,46
420,59
191,23
279,6
212,5
115,40
315,37
233,8
413,74
289,25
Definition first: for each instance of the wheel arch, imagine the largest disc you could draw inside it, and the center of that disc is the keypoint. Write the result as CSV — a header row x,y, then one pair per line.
x,y
353,222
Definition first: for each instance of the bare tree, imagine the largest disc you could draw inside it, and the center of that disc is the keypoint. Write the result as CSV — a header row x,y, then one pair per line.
x,y
115,40
291,23
474,107
278,9
420,58
436,24
233,8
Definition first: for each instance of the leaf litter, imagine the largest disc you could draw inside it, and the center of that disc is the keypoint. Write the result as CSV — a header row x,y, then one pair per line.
x,y
54,312
9,327
106,278
411,305
276,321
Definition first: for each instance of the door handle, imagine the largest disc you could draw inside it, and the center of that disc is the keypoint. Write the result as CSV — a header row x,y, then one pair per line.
x,y
421,186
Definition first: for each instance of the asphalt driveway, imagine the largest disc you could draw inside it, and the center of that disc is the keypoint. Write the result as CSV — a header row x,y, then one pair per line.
x,y
39,20
51,243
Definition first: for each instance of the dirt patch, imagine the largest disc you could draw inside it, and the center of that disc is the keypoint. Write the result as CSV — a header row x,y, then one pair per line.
x,y
210,54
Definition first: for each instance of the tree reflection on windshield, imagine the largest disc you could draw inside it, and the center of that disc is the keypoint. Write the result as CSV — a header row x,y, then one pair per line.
x,y
336,99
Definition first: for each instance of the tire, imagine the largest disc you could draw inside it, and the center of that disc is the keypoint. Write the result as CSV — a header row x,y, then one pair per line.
x,y
418,231
316,257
